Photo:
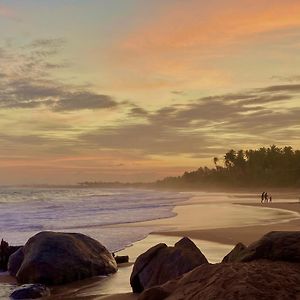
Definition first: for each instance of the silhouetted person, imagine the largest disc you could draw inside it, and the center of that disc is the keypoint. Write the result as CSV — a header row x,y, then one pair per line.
x,y
262,197
270,198
266,197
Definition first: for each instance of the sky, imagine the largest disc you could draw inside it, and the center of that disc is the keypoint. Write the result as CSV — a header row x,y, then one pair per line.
x,y
137,90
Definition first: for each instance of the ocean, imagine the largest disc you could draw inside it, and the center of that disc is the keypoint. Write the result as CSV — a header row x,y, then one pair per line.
x,y
101,213
93,211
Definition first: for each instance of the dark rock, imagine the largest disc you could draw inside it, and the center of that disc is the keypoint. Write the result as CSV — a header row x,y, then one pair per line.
x,y
235,253
262,280
15,262
161,263
56,258
155,293
141,262
30,291
275,245
5,252
121,259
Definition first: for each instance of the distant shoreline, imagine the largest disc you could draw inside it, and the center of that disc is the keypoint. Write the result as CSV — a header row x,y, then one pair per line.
x,y
290,191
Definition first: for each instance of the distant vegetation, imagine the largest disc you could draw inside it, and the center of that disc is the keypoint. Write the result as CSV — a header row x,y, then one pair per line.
x,y
265,167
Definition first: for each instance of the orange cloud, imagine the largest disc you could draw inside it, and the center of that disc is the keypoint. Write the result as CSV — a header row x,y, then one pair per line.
x,y
192,24
185,42
73,169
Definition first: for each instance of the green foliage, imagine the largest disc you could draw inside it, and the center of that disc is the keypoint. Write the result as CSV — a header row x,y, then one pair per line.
x,y
273,166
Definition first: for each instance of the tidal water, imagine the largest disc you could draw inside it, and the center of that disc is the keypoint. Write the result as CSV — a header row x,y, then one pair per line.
x,y
92,211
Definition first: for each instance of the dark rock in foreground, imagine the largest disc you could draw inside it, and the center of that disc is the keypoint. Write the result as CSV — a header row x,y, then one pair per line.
x,y
262,280
56,258
5,252
275,245
267,269
30,291
15,262
162,263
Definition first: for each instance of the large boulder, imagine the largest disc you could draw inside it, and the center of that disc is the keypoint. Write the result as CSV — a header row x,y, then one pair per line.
x,y
30,291
262,279
56,258
162,263
275,245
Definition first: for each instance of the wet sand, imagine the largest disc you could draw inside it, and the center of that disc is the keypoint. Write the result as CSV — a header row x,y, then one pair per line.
x,y
245,234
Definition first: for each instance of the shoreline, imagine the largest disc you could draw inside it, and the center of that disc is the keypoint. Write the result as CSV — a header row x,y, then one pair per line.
x,y
244,234
117,286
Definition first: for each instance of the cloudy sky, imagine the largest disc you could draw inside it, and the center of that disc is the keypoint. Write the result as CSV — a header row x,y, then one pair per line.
x,y
136,90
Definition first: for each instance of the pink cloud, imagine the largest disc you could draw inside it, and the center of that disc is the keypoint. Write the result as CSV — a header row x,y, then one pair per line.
x,y
7,12
181,40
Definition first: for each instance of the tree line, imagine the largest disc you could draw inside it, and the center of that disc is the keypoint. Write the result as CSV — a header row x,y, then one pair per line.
x,y
263,167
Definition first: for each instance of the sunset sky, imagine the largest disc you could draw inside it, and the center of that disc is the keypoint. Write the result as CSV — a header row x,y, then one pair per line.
x,y
136,90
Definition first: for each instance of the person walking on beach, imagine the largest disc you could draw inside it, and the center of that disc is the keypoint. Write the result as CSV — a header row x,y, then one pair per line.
x,y
270,198
262,197
266,197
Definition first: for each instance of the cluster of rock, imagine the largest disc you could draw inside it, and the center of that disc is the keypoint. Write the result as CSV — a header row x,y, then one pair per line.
x,y
267,269
162,263
53,258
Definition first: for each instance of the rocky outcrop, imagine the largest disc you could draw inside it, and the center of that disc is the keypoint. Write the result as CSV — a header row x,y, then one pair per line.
x,y
235,253
267,269
241,281
30,291
162,263
56,258
5,252
275,245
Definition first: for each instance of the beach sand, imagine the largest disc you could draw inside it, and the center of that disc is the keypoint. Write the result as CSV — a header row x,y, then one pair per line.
x,y
187,216
215,243
245,234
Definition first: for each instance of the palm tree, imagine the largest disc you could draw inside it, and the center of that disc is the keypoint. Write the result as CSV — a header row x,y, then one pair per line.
x,y
216,159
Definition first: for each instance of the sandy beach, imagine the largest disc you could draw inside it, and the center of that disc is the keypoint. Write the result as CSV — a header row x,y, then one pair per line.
x,y
188,217
245,234
215,242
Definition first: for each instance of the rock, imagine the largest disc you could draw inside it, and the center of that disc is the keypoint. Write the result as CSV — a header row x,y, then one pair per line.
x,y
262,279
15,262
275,245
30,291
140,263
54,258
121,259
155,293
235,253
161,263
5,252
